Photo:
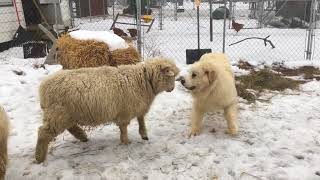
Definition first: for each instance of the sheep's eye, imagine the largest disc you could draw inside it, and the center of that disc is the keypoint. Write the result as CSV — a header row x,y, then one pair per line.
x,y
194,75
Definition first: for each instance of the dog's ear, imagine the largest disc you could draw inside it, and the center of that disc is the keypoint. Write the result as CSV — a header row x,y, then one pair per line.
x,y
211,75
167,71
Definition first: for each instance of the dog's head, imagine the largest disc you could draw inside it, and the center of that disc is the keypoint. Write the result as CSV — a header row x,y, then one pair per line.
x,y
163,73
198,77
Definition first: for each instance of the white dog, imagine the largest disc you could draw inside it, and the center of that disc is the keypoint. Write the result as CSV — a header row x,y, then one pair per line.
x,y
212,85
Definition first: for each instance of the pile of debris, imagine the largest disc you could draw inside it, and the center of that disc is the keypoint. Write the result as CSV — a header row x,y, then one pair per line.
x,y
274,78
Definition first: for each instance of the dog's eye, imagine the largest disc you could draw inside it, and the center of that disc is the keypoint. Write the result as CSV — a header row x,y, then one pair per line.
x,y
194,75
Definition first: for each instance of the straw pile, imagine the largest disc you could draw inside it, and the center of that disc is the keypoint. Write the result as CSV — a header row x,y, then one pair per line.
x,y
74,54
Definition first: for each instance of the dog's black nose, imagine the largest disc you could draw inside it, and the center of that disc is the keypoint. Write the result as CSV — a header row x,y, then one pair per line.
x,y
182,81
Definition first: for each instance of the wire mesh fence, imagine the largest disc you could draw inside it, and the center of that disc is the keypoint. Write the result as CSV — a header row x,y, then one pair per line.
x,y
286,22
243,29
249,21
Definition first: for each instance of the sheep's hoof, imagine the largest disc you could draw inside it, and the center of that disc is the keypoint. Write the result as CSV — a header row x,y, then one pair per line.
x,y
145,138
40,157
38,160
41,152
84,140
126,142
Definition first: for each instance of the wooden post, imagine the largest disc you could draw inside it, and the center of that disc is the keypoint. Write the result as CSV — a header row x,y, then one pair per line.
x,y
52,56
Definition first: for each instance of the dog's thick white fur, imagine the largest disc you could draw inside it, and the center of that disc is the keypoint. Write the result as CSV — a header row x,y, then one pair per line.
x,y
212,85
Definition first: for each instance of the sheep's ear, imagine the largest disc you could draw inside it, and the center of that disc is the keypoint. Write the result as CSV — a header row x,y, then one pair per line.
x,y
166,70
211,75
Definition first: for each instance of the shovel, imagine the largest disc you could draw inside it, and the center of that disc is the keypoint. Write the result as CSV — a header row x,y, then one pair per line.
x,y
194,55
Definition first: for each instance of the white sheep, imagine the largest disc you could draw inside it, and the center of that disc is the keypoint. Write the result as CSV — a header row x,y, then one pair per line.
x,y
4,133
94,96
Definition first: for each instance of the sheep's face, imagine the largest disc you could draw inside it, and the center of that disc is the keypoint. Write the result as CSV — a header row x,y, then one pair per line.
x,y
165,75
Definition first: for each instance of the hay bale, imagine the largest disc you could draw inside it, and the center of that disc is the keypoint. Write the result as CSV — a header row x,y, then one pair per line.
x,y
125,56
73,54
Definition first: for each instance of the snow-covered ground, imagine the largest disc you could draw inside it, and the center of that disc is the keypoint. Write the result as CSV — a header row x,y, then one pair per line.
x,y
279,137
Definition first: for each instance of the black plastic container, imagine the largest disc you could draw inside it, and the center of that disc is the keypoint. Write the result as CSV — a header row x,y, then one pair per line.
x,y
34,50
194,55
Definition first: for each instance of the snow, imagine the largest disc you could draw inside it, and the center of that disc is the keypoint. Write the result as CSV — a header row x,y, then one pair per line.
x,y
297,64
238,72
279,135
112,40
279,138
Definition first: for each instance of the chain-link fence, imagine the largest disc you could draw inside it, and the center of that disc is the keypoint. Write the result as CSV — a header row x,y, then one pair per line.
x,y
243,29
286,24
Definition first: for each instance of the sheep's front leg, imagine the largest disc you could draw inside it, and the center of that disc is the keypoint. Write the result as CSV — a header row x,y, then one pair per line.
x,y
142,128
124,133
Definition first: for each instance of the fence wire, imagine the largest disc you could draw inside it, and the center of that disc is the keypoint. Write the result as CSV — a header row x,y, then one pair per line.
x,y
172,28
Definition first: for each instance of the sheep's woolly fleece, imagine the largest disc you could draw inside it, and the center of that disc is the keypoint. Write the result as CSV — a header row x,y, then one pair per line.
x,y
4,134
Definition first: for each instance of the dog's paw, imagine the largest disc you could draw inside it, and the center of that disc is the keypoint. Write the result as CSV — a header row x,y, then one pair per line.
x,y
232,132
194,132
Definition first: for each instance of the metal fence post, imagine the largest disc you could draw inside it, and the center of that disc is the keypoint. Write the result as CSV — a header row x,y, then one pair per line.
x,y
198,26
175,10
113,9
311,30
90,9
104,9
56,17
138,5
211,28
231,12
71,13
80,13
160,15
224,28
261,9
